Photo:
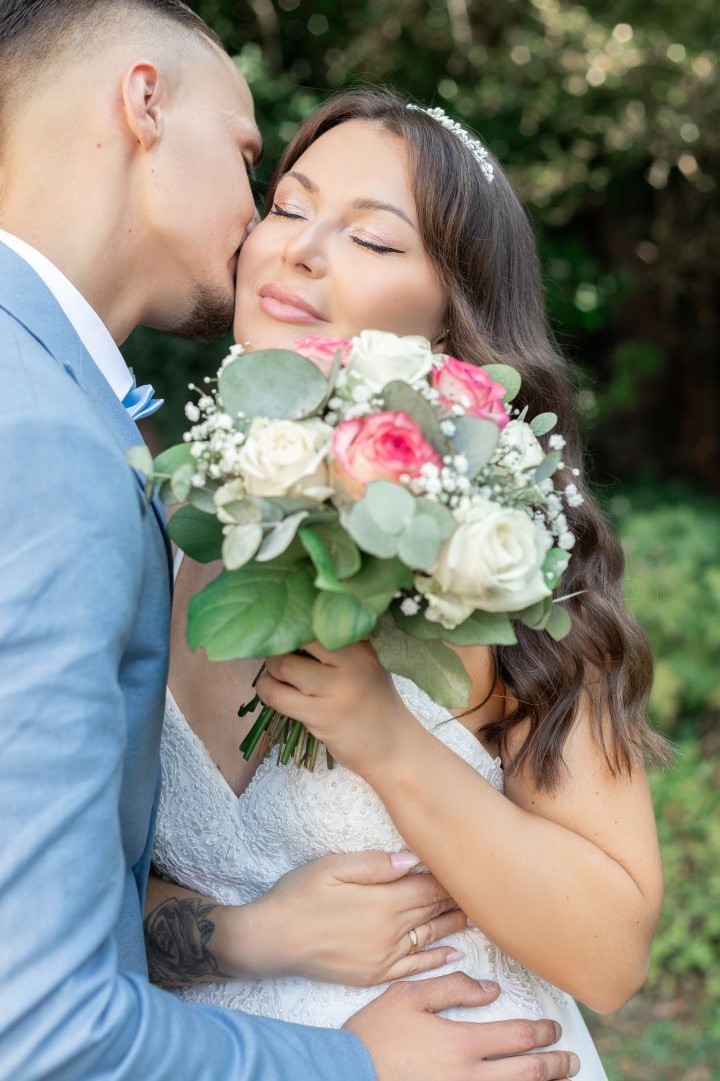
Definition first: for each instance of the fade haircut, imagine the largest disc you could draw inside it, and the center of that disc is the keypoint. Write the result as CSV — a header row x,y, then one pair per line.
x,y
36,34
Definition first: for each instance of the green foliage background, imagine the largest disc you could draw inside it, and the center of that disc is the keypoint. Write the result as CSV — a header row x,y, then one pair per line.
x,y
605,115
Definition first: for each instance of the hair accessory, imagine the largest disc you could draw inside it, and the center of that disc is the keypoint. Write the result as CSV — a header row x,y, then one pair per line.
x,y
474,145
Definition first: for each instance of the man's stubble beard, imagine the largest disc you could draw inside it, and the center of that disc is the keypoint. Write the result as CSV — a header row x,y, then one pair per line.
x,y
211,315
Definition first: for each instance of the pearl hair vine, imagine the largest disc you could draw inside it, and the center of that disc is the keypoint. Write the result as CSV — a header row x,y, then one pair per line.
x,y
475,147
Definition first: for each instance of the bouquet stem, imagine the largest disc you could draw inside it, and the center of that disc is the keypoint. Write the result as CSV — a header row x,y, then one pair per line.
x,y
293,738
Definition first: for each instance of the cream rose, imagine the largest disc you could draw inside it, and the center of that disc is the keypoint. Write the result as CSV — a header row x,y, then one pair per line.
x,y
379,358
493,561
518,437
286,457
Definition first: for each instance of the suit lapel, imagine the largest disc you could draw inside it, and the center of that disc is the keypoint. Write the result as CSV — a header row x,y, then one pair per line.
x,y
26,297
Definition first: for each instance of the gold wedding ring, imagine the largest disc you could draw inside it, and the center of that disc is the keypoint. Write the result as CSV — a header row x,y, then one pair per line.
x,y
412,935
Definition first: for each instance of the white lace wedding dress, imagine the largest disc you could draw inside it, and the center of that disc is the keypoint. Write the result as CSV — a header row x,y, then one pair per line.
x,y
233,849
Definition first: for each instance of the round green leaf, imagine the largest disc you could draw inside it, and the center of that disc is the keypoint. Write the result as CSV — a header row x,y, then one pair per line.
x,y
559,623
390,505
543,423
240,545
171,459
367,534
272,383
281,537
507,377
476,438
401,398
140,458
421,542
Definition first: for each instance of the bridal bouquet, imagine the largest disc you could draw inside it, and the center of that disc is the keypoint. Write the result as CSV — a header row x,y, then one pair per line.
x,y
418,511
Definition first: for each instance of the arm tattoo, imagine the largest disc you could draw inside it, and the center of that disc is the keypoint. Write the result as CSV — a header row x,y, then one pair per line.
x,y
177,936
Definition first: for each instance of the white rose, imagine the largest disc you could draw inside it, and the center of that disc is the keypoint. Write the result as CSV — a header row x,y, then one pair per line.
x,y
518,437
493,560
379,358
286,457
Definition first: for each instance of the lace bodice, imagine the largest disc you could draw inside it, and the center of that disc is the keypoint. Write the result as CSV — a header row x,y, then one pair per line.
x,y
234,849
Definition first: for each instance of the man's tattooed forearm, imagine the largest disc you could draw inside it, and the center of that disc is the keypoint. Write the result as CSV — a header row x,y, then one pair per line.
x,y
177,936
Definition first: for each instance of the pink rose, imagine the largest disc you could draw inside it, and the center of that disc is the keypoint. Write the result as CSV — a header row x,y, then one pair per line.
x,y
459,383
321,351
383,446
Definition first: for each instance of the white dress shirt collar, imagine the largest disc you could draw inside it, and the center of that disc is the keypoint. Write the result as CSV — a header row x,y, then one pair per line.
x,y
88,325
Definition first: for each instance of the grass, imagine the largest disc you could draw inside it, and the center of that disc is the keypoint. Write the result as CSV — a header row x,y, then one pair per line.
x,y
660,1040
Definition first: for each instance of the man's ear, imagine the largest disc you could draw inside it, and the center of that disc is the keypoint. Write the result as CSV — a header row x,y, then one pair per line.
x,y
141,92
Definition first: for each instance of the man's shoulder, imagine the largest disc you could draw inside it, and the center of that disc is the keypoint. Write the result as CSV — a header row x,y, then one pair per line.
x,y
33,381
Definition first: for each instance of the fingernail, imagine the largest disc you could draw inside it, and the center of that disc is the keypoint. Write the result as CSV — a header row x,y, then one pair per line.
x,y
558,1031
488,985
455,955
574,1065
471,923
403,861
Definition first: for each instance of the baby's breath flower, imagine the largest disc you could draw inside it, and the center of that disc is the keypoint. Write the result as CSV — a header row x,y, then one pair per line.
x,y
556,442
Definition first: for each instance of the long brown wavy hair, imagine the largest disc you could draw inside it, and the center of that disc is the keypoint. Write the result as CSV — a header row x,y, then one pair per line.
x,y
483,248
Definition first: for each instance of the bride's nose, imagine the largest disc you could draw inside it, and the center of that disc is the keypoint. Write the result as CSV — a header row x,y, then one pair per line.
x,y
305,250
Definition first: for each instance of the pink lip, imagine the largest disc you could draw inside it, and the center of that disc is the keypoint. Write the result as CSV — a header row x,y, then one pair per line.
x,y
287,307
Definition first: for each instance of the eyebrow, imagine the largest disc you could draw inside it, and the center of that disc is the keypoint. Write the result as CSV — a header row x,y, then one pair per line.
x,y
358,204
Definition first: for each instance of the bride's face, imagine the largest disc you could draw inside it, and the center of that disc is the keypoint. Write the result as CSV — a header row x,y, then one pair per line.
x,y
339,251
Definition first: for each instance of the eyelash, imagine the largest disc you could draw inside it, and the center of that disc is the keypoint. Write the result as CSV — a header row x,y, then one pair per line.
x,y
380,249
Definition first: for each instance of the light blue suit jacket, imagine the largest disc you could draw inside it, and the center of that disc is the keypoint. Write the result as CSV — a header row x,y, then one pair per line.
x,y
85,590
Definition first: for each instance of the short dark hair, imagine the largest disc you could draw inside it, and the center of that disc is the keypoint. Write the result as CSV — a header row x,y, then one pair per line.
x,y
34,32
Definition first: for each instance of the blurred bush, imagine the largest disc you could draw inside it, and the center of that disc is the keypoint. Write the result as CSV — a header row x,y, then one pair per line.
x,y
687,946
671,538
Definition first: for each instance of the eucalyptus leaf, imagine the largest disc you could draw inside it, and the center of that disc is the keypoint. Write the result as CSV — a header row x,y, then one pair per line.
x,y
240,545
260,610
547,466
181,482
420,544
401,398
559,623
243,511
378,581
482,629
199,535
476,438
279,539
536,616
436,669
390,505
140,458
171,459
339,619
442,516
273,383
543,423
203,499
365,531
507,377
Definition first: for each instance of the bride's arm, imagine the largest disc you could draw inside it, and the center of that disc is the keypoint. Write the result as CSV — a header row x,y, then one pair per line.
x,y
569,884
342,919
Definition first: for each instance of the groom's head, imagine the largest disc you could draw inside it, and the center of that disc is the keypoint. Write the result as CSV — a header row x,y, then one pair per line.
x,y
128,113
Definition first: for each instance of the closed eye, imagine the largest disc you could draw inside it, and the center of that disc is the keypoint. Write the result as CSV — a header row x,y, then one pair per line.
x,y
381,249
280,213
